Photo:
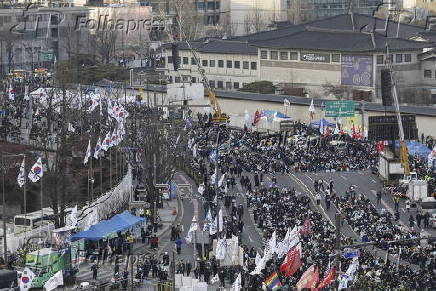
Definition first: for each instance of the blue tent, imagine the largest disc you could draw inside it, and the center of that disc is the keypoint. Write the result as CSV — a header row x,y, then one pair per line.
x,y
325,122
109,228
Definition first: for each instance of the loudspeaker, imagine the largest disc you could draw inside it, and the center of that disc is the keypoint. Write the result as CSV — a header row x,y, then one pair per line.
x,y
175,52
386,87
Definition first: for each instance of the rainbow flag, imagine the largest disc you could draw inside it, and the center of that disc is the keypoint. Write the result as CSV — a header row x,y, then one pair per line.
x,y
273,282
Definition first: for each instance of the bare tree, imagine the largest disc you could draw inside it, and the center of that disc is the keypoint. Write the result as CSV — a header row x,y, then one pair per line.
x,y
105,42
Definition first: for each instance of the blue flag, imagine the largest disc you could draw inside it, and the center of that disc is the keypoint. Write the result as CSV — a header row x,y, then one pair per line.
x,y
351,254
212,155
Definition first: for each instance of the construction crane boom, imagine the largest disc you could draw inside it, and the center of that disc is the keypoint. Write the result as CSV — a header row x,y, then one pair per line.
x,y
218,115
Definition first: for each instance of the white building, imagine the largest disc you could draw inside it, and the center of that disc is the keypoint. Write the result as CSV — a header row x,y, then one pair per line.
x,y
331,55
248,16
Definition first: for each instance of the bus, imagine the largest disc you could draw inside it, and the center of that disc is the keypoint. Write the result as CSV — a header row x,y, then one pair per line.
x,y
29,221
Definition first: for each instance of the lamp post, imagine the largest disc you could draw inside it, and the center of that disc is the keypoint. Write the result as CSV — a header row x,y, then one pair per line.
x,y
3,167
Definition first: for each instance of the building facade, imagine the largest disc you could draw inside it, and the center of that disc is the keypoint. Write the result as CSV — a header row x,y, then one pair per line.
x,y
328,57
40,37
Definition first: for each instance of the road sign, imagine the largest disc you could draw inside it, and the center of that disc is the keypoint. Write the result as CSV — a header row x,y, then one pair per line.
x,y
339,108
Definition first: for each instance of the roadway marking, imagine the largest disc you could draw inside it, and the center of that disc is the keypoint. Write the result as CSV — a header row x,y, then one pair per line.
x,y
184,179
308,177
306,189
374,181
343,177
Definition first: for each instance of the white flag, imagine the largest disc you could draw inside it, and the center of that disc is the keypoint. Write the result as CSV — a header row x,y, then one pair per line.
x,y
221,249
286,103
215,279
213,178
194,151
234,249
11,93
192,229
97,148
321,126
221,220
21,179
54,281
26,93
177,140
71,219
26,279
431,157
273,241
106,144
200,189
349,275
237,285
312,107
88,153
220,182
336,129
36,171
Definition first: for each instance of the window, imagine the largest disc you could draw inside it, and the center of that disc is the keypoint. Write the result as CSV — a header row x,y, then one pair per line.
x,y
264,55
294,56
177,79
170,79
220,64
220,84
54,32
193,62
253,65
185,60
236,85
170,60
228,85
336,58
380,59
427,73
193,79
273,55
204,63
237,64
212,84
245,65
398,58
229,64
284,56
200,6
212,63
407,58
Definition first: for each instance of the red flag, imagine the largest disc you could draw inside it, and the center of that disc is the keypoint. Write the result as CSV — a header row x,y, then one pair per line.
x,y
326,131
354,133
292,262
380,146
256,117
309,278
306,229
328,278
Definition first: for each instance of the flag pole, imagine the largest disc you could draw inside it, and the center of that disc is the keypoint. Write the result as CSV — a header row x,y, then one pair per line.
x,y
25,196
42,210
91,178
110,167
101,174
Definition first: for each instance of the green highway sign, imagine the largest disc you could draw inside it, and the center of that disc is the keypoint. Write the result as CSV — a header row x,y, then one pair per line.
x,y
339,108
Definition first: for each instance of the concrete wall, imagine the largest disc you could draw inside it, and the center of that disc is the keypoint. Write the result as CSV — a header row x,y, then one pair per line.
x,y
425,124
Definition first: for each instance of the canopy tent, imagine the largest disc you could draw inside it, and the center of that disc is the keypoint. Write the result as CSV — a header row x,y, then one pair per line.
x,y
109,228
415,148
324,122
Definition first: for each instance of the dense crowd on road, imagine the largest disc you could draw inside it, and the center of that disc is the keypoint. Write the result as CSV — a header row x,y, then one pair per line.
x,y
245,157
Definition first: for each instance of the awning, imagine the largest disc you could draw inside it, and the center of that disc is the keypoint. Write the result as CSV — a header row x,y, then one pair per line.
x,y
109,228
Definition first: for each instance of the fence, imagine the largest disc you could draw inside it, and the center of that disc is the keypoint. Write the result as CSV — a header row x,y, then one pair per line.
x,y
110,203
16,241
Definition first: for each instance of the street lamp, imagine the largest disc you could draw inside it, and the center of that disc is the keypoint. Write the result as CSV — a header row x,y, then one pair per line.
x,y
3,167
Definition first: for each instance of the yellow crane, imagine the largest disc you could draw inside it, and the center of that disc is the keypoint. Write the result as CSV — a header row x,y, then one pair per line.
x,y
218,115
404,156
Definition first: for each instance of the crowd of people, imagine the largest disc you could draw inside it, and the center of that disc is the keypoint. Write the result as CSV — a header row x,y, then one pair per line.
x,y
245,157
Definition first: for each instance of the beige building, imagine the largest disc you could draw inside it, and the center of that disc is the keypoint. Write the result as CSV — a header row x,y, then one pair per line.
x,y
338,57
227,64
426,4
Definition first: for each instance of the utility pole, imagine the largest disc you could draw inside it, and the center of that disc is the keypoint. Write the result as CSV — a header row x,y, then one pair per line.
x,y
362,108
216,185
337,245
5,248
155,190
